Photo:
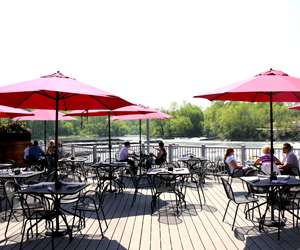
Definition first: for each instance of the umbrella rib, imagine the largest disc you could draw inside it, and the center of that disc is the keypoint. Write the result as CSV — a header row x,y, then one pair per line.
x,y
99,100
30,94
254,98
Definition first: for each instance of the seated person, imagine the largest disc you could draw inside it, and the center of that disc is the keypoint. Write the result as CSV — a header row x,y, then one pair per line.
x,y
50,154
265,161
51,148
158,159
290,164
237,170
124,157
35,152
26,151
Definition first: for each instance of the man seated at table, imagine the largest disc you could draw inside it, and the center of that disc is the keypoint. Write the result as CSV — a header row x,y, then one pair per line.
x,y
265,161
290,165
124,157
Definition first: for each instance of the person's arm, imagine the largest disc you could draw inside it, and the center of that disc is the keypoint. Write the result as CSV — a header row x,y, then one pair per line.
x,y
233,164
257,162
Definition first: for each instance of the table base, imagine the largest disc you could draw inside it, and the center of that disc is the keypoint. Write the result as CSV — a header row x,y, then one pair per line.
x,y
268,222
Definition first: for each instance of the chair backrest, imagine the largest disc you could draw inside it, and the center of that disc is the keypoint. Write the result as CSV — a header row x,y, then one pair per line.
x,y
266,168
10,189
164,182
227,168
228,189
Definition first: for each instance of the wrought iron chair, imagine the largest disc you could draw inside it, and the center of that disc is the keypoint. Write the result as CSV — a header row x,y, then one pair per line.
x,y
238,198
90,201
163,182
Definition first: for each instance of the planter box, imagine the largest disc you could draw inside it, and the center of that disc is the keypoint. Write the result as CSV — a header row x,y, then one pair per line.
x,y
12,146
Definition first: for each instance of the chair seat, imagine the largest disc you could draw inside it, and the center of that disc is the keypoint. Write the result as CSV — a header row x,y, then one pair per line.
x,y
241,198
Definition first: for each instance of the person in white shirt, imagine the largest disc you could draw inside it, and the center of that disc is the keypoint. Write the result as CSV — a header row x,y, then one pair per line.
x,y
124,157
290,164
26,151
237,170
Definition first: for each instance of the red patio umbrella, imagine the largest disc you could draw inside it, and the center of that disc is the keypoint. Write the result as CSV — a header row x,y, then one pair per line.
x,y
271,86
132,109
58,92
9,112
45,115
140,117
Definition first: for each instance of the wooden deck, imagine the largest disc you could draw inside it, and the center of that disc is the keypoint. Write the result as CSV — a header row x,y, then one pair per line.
x,y
135,228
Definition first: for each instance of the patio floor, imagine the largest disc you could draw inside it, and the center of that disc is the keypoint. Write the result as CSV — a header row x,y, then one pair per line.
x,y
135,228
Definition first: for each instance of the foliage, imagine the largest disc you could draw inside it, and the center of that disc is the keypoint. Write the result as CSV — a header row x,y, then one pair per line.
x,y
223,120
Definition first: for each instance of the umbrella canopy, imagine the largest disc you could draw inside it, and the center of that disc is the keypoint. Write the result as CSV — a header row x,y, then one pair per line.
x,y
271,86
273,83
44,115
44,92
132,109
58,92
9,112
150,116
140,117
295,107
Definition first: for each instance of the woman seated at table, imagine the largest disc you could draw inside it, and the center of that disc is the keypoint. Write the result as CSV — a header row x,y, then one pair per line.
x,y
237,170
158,159
265,161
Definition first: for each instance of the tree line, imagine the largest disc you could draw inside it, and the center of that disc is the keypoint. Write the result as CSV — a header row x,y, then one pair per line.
x,y
221,120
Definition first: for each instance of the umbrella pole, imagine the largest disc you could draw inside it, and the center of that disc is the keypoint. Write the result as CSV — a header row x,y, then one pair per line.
x,y
271,133
109,138
56,136
45,135
140,131
148,135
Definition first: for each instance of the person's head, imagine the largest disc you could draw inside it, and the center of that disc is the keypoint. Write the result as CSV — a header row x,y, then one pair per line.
x,y
35,143
287,148
266,150
127,144
229,151
161,144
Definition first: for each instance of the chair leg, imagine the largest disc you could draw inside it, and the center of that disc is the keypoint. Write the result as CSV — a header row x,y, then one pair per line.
x,y
235,216
226,210
104,218
22,232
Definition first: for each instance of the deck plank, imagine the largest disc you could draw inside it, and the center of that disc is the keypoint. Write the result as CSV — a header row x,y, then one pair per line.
x,y
133,227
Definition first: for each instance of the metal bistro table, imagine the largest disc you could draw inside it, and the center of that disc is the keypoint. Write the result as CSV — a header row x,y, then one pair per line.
x,y
57,193
273,187
74,162
172,180
110,169
6,174
192,161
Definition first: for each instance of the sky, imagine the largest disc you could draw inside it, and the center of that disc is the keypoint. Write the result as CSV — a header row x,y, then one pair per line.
x,y
151,52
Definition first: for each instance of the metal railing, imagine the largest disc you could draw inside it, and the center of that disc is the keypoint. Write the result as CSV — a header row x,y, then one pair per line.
x,y
101,153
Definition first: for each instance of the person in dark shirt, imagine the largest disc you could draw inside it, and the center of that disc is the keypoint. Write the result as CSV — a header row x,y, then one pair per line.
x,y
159,158
35,152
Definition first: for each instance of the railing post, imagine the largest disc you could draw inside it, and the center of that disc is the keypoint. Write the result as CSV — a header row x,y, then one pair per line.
x,y
243,154
203,151
72,150
170,153
94,154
